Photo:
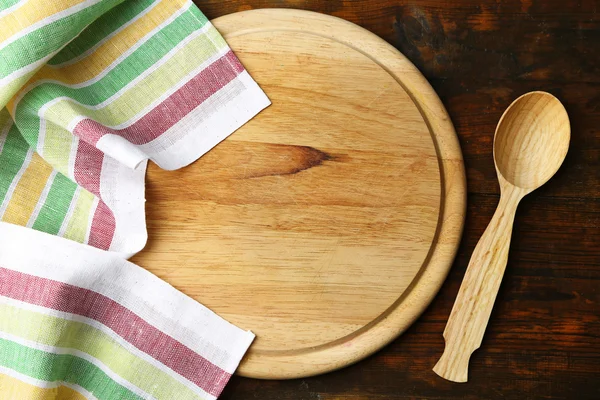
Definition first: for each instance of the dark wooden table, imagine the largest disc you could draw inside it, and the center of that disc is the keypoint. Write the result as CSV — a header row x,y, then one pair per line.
x,y
543,340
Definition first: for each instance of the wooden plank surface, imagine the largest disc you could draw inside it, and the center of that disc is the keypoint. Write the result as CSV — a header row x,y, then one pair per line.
x,y
543,340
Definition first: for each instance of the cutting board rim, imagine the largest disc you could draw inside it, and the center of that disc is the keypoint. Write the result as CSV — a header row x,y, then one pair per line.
x,y
426,284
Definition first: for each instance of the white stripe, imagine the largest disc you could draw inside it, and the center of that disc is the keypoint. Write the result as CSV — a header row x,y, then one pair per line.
x,y
61,350
113,336
13,8
45,384
13,76
47,21
39,146
152,299
14,182
105,39
71,125
88,229
41,200
70,210
28,379
4,133
117,61
81,390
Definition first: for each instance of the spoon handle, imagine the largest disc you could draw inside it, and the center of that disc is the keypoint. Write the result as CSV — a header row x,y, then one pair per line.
x,y
473,306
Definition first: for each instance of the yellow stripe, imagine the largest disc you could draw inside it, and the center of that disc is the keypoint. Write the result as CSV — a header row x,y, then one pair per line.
x,y
14,389
78,224
31,13
28,191
90,66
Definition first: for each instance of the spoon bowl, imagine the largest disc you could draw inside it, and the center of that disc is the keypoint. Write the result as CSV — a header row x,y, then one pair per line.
x,y
532,139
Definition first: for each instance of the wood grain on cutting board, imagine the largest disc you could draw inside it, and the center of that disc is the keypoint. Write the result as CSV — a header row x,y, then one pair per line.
x,y
326,224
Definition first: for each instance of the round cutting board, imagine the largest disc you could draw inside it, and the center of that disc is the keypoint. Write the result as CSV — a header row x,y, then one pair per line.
x,y
328,223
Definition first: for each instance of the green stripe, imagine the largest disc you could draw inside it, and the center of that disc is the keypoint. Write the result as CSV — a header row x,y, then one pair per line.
x,y
52,367
63,333
200,17
4,4
55,207
100,29
140,60
11,159
55,35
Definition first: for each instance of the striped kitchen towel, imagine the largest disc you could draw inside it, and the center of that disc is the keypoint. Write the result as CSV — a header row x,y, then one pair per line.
x,y
89,91
78,322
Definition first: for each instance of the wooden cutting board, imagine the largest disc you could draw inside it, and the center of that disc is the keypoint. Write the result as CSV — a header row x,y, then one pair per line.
x,y
328,223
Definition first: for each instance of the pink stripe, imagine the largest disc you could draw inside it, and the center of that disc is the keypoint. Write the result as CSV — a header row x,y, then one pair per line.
x,y
88,167
88,164
173,109
76,300
103,227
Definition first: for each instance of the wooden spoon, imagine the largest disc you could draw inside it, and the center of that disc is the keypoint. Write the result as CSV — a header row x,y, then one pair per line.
x,y
531,142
